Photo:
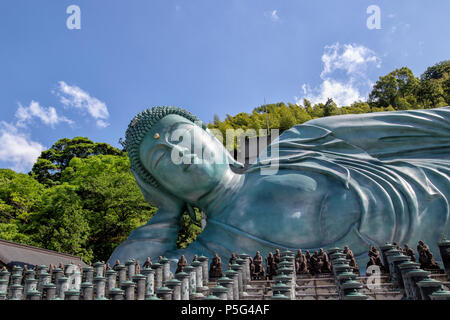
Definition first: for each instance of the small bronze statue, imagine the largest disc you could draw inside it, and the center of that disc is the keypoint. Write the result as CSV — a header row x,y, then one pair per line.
x,y
410,253
258,273
326,264
147,263
271,269
351,257
215,267
301,265
232,259
316,264
182,262
426,258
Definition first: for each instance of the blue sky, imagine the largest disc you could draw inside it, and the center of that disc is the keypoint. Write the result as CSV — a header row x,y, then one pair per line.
x,y
208,56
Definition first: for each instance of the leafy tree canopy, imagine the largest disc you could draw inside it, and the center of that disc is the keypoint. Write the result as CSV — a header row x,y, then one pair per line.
x,y
48,167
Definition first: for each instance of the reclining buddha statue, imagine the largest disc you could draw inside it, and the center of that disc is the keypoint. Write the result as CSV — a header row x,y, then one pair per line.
x,y
357,180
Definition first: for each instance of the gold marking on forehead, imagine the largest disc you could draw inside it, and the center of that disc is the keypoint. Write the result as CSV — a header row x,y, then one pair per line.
x,y
157,136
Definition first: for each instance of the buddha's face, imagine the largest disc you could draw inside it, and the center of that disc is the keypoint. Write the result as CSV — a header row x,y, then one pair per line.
x,y
183,157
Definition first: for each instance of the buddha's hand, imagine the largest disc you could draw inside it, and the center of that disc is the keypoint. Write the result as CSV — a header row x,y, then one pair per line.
x,y
159,235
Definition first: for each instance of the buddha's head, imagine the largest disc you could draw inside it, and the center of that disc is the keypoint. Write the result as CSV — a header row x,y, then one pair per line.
x,y
173,151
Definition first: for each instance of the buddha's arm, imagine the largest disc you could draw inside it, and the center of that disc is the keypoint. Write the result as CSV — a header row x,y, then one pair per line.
x,y
160,234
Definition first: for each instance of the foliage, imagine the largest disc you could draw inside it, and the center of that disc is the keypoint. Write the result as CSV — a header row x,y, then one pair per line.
x,y
190,229
398,90
52,162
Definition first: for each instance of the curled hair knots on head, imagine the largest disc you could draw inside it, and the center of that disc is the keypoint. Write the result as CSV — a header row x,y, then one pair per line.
x,y
140,126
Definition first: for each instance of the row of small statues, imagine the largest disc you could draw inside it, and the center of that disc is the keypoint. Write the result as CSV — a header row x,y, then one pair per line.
x,y
305,263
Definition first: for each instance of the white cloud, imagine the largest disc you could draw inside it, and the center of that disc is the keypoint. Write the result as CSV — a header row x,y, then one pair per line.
x,y
351,58
272,15
17,149
48,116
73,96
344,75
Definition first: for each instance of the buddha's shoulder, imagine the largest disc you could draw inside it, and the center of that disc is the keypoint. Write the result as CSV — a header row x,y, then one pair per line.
x,y
288,179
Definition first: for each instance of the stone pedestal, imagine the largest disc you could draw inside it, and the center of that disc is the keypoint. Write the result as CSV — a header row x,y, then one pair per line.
x,y
279,297
30,285
165,268
282,289
190,270
131,269
129,288
30,274
205,268
88,274
227,283
72,295
42,268
49,291
149,274
444,249
16,292
4,275
384,249
33,295
246,270
16,278
389,254
406,267
45,277
62,285
87,291
183,277
158,275
349,287
220,292
415,276
116,294
100,287
239,269
441,295
140,280
175,286
99,267
234,275
122,273
355,295
198,275
164,293
396,275
3,285
111,277
17,271
57,273
427,287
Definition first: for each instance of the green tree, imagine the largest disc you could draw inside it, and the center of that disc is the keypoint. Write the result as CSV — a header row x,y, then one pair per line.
x,y
48,167
20,195
61,223
111,198
400,83
330,108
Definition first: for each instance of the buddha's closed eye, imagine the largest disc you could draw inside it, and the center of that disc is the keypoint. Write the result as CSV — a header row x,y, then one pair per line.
x,y
156,157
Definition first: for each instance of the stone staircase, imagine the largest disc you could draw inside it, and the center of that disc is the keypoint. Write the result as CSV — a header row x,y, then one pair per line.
x,y
323,288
